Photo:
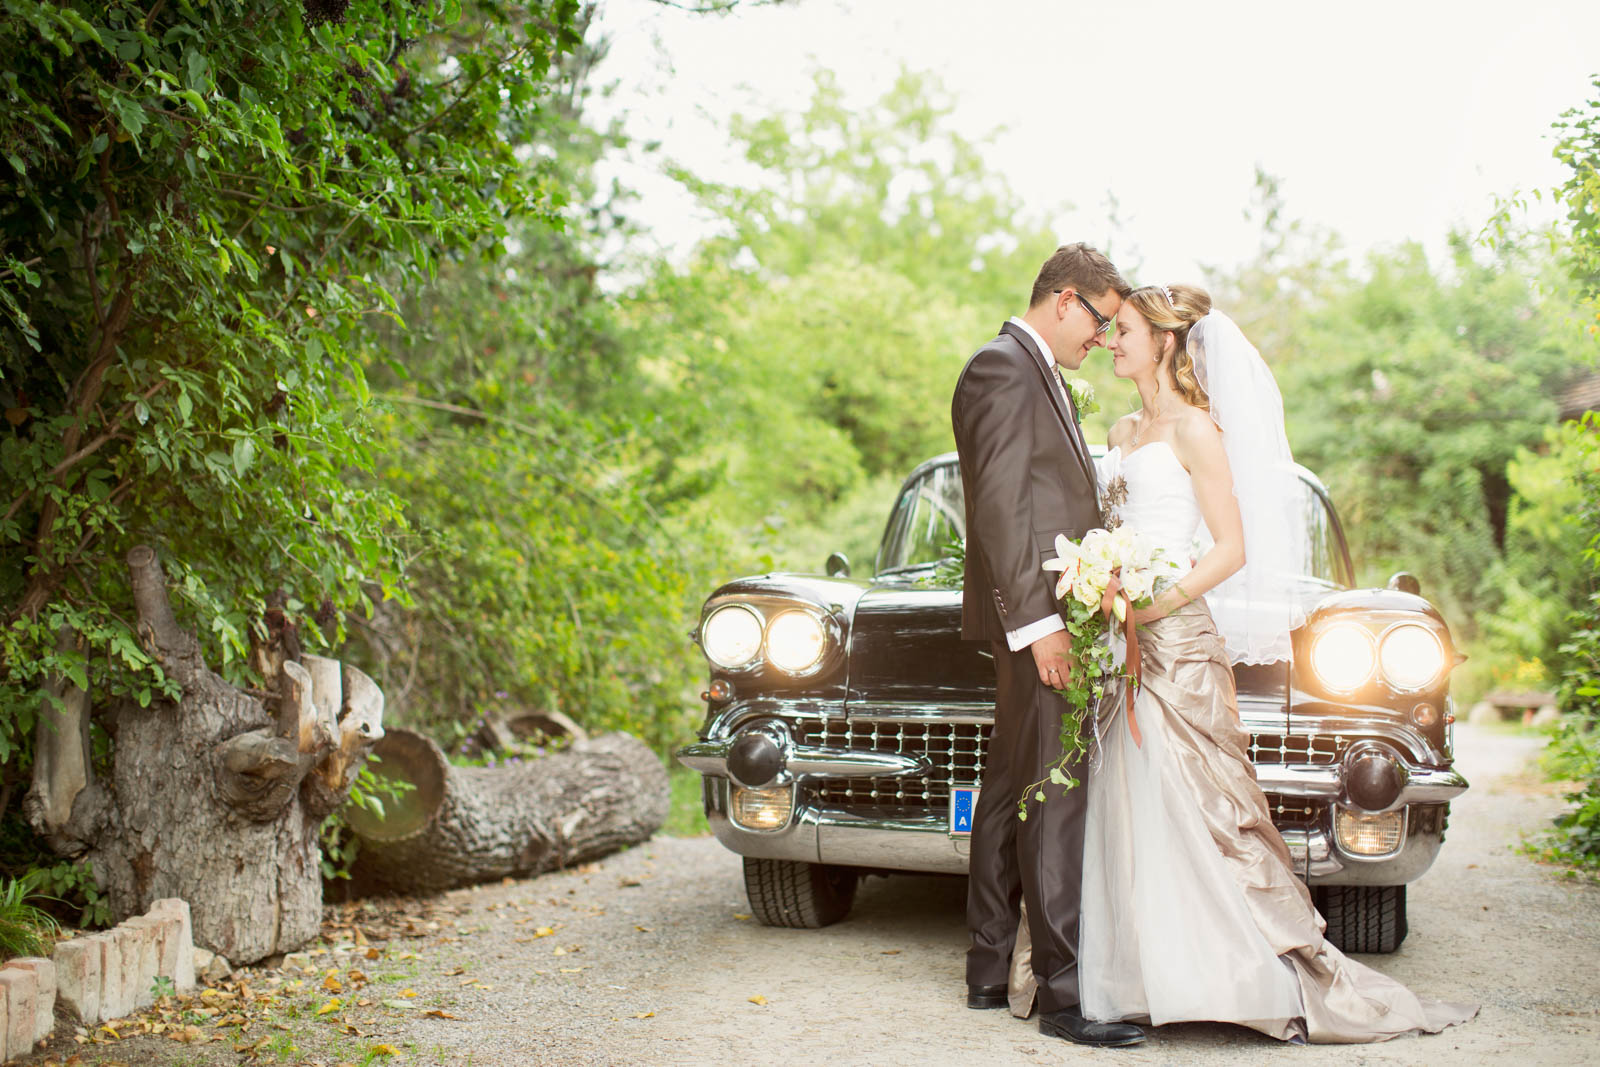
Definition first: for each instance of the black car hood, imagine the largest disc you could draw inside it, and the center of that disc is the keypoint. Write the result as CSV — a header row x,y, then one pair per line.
x,y
905,646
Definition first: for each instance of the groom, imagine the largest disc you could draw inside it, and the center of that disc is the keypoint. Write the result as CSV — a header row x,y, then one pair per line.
x,y
1028,477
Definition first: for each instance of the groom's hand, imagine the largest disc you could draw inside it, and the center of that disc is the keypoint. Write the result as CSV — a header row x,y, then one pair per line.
x,y
1052,654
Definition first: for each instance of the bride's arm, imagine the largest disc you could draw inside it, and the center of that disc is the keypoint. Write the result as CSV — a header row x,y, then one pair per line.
x,y
1198,446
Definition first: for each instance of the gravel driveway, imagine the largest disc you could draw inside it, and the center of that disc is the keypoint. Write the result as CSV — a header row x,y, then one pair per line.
x,y
650,957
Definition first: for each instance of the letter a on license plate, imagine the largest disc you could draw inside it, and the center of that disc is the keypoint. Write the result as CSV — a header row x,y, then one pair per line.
x,y
963,807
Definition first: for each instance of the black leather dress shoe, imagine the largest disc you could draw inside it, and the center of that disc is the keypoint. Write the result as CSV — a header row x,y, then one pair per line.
x,y
986,996
1075,1028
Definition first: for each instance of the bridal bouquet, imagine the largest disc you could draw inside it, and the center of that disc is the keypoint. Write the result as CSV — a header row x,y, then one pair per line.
x,y
1104,576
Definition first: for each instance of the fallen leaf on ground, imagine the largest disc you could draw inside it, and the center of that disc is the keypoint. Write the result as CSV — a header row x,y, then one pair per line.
x,y
645,1015
437,1014
741,918
333,1005
758,999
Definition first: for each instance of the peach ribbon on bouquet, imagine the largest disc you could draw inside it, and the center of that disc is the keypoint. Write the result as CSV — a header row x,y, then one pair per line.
x,y
1130,633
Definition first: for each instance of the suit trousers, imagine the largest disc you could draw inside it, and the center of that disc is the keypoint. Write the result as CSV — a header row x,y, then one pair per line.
x,y
1039,860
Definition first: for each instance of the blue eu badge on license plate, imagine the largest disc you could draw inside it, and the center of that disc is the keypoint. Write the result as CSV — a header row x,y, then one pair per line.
x,y
963,807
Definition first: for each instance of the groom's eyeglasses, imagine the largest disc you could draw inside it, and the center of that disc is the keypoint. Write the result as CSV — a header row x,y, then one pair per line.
x,y
1103,324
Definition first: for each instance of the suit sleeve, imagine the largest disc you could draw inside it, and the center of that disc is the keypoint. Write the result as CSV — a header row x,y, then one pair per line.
x,y
995,399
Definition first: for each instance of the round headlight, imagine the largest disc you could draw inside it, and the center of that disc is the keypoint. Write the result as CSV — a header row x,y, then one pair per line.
x,y
1411,656
1343,656
731,637
796,641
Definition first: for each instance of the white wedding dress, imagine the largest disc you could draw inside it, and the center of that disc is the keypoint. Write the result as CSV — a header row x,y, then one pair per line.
x,y
1191,910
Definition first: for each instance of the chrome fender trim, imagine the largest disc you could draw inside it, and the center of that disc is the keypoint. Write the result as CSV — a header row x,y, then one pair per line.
x,y
809,761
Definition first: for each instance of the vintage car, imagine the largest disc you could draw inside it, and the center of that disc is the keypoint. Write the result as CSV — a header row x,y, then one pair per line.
x,y
846,722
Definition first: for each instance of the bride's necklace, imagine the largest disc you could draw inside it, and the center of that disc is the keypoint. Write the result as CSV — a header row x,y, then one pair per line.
x,y
1138,426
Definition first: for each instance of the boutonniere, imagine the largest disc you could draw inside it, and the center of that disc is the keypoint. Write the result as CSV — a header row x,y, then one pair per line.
x,y
1082,397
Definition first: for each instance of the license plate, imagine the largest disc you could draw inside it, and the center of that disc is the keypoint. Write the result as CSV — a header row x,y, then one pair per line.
x,y
963,807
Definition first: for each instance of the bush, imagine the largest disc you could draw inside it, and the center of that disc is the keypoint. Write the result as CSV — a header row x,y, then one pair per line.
x,y
1575,753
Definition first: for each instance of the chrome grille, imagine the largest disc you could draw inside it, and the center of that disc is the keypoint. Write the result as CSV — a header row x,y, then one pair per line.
x,y
1297,748
956,750
1295,811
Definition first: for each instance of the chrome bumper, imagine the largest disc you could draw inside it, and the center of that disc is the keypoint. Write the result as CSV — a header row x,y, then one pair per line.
x,y
1423,785
923,844
840,837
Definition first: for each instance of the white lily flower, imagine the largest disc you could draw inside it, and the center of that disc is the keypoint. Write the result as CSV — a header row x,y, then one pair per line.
x,y
1138,583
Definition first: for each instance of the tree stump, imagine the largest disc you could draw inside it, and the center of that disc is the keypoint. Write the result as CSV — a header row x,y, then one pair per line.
x,y
461,825
216,799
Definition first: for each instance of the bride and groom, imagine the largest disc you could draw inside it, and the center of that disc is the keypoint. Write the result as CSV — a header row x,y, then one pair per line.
x,y
1159,891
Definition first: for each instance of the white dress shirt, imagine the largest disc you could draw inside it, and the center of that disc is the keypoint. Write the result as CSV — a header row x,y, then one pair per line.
x,y
1023,636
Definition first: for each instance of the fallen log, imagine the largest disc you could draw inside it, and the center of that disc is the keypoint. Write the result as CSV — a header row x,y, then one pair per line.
x,y
461,825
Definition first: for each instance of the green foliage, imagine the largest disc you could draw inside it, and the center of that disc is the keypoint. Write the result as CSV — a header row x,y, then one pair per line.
x,y
823,328
25,930
372,790
1574,754
538,456
1411,392
71,884
203,209
889,185
1578,148
687,815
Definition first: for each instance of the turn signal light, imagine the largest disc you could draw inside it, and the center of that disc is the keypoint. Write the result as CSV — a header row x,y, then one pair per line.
x,y
1361,834
762,809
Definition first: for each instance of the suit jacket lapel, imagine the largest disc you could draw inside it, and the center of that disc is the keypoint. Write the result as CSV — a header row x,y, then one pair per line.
x,y
1068,417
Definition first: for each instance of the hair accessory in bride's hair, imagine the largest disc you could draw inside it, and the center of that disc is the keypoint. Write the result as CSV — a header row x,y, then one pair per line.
x,y
1168,294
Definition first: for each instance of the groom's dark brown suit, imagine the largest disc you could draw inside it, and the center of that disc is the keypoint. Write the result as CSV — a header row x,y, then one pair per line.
x,y
1027,477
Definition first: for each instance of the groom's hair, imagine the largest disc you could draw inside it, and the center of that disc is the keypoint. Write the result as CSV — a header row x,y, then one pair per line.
x,y
1080,267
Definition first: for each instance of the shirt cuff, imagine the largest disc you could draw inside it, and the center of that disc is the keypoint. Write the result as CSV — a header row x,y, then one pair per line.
x,y
1020,639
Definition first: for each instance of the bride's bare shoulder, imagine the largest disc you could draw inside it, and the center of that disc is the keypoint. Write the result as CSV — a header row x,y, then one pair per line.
x,y
1195,424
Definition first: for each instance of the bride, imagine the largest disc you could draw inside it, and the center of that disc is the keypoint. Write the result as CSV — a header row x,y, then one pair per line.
x,y
1191,910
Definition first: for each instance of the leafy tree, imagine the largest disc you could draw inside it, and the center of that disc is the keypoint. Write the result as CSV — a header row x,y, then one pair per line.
x,y
1410,390
829,317
1578,148
203,209
1575,753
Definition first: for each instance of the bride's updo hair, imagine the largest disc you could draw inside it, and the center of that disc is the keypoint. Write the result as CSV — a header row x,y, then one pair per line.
x,y
1175,309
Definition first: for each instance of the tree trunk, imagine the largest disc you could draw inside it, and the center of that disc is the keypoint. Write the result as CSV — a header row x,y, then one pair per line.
x,y
216,799
471,824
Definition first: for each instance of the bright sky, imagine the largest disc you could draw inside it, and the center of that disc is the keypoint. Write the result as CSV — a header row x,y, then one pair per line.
x,y
1386,121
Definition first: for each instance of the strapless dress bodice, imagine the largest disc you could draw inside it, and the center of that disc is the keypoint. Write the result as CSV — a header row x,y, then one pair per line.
x,y
1150,491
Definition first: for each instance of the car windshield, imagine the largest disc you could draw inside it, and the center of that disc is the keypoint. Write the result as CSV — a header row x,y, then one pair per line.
x,y
930,513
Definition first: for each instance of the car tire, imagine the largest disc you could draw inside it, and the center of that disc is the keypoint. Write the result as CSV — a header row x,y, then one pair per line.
x,y
1363,918
804,896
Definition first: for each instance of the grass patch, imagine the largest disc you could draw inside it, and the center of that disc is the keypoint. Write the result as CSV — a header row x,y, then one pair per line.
x,y
687,816
25,930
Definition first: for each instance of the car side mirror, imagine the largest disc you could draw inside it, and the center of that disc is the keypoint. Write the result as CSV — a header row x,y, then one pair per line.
x,y
838,565
1406,582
